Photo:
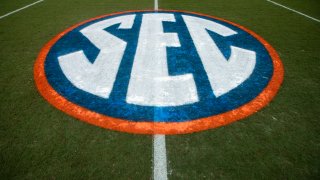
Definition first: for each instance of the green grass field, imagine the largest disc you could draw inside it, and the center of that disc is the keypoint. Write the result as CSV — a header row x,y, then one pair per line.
x,y
282,141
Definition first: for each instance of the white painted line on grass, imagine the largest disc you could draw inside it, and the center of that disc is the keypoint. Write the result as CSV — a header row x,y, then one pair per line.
x,y
20,9
159,146
156,5
159,158
294,11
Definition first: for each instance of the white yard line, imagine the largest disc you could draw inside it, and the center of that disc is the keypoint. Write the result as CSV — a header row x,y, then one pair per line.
x,y
20,9
159,146
156,5
294,11
159,158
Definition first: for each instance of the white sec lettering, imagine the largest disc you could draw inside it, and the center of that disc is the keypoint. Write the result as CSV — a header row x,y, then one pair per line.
x,y
150,83
97,78
224,75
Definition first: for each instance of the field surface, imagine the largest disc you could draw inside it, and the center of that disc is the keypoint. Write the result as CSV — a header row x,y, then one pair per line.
x,y
281,141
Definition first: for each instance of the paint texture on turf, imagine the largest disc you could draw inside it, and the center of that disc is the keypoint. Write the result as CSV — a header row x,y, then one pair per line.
x,y
115,113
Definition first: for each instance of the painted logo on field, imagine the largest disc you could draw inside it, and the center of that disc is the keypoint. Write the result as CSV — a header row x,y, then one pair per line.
x,y
164,72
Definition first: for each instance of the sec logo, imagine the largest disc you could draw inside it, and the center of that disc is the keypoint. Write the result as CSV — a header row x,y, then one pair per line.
x,y
163,72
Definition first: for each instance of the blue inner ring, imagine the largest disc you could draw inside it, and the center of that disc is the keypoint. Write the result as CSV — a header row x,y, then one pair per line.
x,y
182,60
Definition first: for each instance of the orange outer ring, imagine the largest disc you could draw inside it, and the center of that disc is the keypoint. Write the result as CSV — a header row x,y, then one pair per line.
x,y
117,124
